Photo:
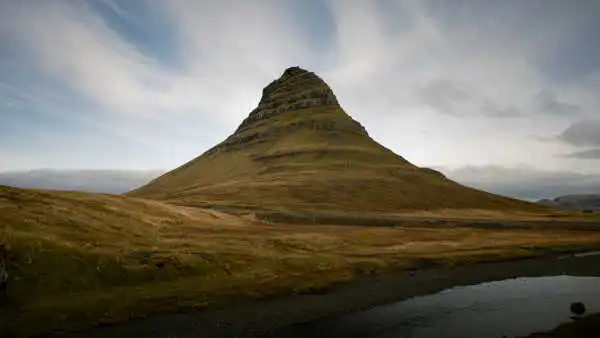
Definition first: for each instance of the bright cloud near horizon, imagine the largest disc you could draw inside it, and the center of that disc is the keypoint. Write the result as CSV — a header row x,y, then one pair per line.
x,y
149,84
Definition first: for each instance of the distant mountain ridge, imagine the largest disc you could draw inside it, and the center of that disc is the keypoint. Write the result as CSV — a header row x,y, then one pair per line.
x,y
525,183
580,202
299,150
100,181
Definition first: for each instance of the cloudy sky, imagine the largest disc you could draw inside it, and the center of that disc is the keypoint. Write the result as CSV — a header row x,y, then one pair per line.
x,y
150,84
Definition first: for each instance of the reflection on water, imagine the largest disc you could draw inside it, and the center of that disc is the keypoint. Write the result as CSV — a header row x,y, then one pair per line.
x,y
586,254
506,308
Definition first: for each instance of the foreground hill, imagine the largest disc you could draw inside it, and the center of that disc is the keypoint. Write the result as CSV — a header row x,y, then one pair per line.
x,y
79,259
299,150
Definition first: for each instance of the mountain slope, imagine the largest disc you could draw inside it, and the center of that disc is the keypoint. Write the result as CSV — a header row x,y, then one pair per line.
x,y
299,150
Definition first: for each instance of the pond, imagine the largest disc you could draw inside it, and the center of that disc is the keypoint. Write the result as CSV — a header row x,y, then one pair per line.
x,y
507,308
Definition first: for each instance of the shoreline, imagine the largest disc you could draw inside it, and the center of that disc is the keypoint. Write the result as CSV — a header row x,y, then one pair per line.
x,y
266,317
584,327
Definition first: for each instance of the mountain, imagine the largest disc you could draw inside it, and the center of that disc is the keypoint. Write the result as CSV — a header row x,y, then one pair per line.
x,y
101,181
524,182
580,202
299,150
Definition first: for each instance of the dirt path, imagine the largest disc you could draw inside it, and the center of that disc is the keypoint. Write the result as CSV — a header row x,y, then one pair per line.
x,y
254,319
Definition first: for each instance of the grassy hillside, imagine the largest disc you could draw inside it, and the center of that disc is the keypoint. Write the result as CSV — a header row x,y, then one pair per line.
x,y
80,259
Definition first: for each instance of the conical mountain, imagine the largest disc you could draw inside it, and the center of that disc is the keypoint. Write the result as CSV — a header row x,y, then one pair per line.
x,y
299,150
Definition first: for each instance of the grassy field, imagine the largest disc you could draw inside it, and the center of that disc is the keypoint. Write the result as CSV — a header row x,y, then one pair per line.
x,y
80,259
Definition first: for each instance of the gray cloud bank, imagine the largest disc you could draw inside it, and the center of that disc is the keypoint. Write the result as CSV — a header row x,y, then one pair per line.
x,y
459,99
101,181
582,133
590,154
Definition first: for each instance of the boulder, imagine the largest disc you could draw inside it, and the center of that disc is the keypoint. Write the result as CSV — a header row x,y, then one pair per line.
x,y
578,308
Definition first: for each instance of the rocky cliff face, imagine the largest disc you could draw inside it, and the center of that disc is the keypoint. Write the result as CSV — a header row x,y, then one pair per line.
x,y
299,150
296,90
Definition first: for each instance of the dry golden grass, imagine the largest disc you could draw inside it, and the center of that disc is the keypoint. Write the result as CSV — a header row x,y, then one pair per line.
x,y
81,259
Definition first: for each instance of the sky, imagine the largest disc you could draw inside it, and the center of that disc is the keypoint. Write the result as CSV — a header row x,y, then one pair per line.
x,y
151,84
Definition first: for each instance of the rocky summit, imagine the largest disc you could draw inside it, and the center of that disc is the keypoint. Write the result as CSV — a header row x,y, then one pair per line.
x,y
296,90
299,150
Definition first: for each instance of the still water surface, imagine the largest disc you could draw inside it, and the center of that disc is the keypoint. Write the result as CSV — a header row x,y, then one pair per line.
x,y
507,308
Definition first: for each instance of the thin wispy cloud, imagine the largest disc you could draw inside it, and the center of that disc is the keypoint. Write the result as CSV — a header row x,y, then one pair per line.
x,y
155,83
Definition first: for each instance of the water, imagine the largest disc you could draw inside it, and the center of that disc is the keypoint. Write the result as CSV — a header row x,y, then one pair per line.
x,y
508,308
586,254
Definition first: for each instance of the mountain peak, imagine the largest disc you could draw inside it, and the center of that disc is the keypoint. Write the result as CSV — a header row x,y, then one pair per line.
x,y
299,150
296,89
295,70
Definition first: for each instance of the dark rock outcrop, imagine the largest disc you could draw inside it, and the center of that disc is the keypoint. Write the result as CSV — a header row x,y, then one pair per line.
x,y
578,308
3,271
297,89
